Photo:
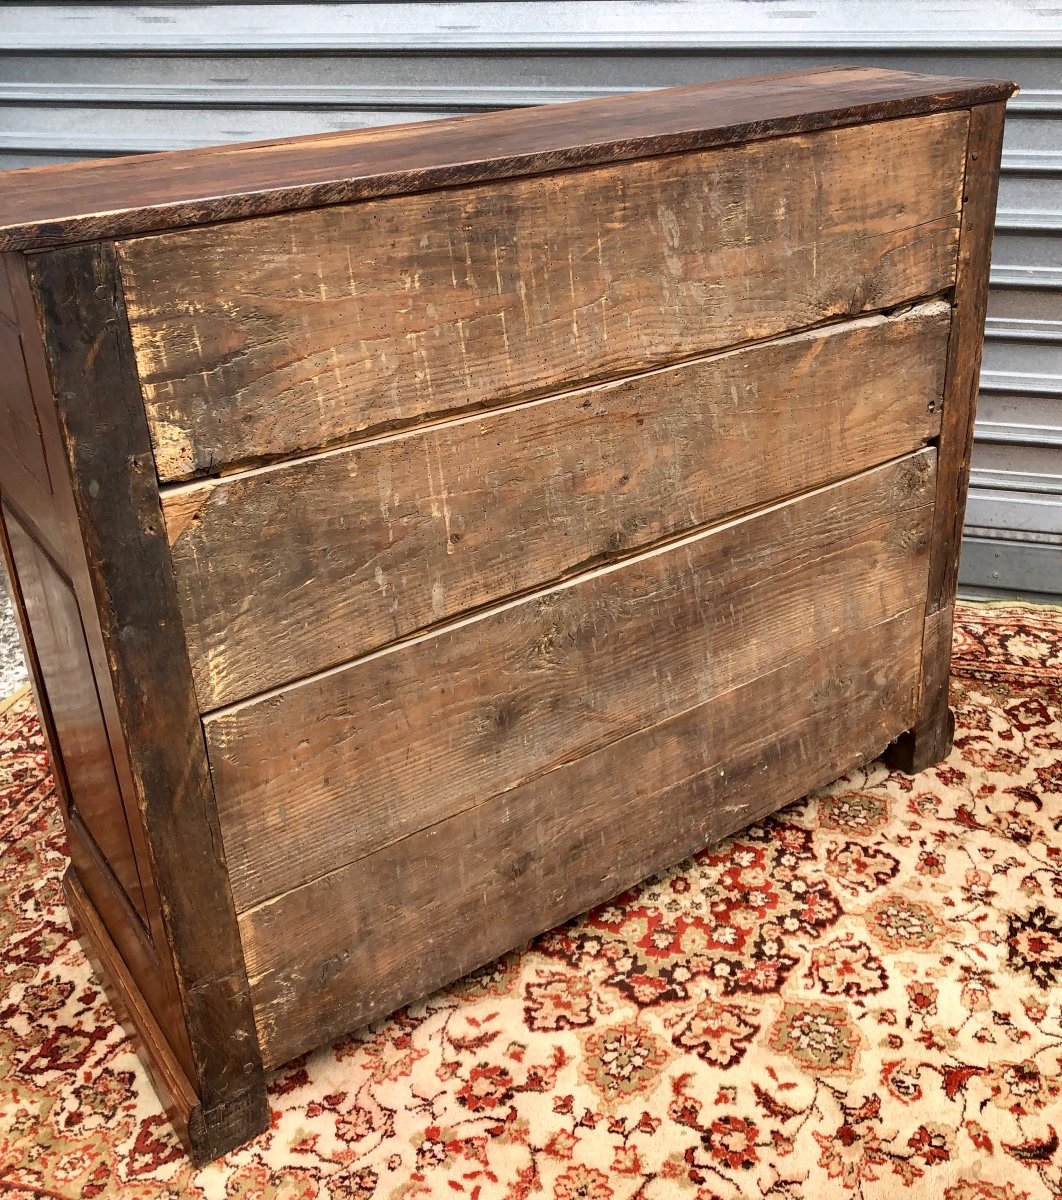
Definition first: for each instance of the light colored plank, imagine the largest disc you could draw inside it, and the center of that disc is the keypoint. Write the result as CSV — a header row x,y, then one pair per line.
x,y
291,569
265,338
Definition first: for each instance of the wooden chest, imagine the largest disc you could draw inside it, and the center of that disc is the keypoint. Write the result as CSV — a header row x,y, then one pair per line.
x,y
421,535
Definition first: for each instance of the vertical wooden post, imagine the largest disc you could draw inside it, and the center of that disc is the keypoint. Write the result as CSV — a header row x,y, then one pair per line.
x,y
115,492
929,740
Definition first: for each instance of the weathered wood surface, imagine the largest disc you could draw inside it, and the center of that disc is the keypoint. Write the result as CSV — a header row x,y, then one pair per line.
x,y
337,555
21,448
965,347
47,206
358,943
116,495
314,776
929,740
261,339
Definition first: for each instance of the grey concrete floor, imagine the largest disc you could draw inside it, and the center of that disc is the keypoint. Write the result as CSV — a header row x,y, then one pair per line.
x,y
12,665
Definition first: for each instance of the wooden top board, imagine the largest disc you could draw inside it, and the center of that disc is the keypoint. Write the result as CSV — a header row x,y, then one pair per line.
x,y
57,205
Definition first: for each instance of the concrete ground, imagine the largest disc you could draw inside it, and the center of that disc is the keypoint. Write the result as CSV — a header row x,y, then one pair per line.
x,y
12,665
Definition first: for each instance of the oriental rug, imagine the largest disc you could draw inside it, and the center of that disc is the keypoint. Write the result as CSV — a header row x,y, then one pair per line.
x,y
861,997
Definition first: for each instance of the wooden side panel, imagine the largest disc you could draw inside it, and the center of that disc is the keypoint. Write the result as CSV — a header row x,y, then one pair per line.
x,y
930,738
258,339
355,944
333,769
55,602
59,642
980,186
115,493
20,436
336,555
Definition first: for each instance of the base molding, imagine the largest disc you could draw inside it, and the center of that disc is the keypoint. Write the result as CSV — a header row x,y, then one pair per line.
x,y
205,1133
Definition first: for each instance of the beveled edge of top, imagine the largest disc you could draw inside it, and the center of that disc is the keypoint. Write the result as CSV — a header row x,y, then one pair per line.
x,y
50,206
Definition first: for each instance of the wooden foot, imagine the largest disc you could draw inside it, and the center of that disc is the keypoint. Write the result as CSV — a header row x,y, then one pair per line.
x,y
923,746
207,1133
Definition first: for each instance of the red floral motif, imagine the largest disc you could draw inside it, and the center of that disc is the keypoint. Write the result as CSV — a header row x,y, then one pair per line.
x,y
732,1141
486,1087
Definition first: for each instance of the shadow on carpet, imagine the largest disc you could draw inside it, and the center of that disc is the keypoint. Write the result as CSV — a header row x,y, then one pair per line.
x,y
859,997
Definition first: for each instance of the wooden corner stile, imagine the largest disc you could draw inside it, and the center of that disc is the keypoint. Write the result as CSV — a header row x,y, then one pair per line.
x,y
107,444
929,740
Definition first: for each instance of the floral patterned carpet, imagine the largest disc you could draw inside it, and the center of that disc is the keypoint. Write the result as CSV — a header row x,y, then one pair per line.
x,y
861,997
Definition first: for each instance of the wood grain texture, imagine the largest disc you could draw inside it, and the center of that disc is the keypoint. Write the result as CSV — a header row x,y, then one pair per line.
x,y
314,776
54,622
21,448
359,942
980,187
929,740
205,1135
49,518
115,491
352,549
47,206
262,339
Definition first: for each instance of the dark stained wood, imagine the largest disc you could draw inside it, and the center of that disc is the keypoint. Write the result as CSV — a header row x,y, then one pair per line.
x,y
112,902
359,942
965,347
47,206
81,738
330,770
929,741
205,1135
261,339
7,302
352,549
20,436
106,437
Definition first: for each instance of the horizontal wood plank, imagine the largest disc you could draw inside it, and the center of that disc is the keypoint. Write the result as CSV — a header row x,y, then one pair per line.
x,y
263,339
314,776
356,944
49,206
334,556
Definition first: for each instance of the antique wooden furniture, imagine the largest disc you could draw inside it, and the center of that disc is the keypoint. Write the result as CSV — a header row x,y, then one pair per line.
x,y
420,535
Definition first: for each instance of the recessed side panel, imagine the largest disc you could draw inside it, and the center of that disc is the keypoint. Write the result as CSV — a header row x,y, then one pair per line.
x,y
66,673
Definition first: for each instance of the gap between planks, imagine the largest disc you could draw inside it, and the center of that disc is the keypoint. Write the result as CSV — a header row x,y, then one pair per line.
x,y
577,575
387,432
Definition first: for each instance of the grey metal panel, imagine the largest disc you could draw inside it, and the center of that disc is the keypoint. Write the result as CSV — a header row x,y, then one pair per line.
x,y
99,79
592,25
1012,566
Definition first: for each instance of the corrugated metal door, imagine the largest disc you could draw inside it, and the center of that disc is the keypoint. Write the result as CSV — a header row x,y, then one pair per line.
x,y
80,79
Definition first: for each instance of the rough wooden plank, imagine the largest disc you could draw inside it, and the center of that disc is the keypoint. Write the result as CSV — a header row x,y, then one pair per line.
x,y
260,339
20,434
336,555
116,494
50,205
929,740
965,346
358,943
332,769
